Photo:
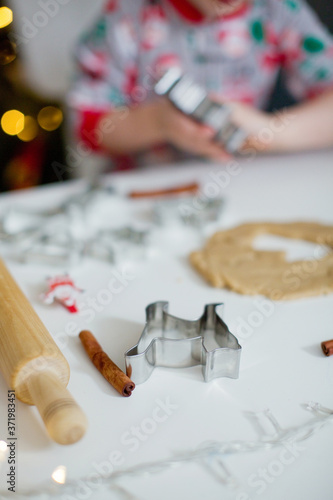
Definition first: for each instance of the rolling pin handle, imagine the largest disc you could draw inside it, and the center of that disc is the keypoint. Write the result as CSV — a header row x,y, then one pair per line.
x,y
64,420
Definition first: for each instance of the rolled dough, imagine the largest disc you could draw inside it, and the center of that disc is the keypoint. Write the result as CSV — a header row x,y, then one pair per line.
x,y
228,260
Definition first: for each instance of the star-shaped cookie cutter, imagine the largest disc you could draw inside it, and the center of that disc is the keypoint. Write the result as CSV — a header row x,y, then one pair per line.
x,y
168,341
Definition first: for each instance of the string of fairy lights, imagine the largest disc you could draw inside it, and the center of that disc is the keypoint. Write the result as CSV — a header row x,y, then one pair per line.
x,y
13,121
211,456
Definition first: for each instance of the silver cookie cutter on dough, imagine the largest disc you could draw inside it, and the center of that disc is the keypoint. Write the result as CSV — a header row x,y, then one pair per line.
x,y
168,341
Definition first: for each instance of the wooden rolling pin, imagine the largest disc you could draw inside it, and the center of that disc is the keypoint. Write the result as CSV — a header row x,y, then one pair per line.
x,y
33,366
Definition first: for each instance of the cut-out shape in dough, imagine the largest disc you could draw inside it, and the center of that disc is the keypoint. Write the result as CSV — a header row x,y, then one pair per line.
x,y
228,260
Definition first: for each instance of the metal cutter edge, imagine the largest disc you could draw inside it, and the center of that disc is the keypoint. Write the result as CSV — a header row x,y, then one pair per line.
x,y
173,342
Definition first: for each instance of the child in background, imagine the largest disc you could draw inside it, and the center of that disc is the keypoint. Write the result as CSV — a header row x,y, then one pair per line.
x,y
234,48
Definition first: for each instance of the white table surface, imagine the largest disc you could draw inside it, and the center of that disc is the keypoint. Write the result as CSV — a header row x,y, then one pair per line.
x,y
282,366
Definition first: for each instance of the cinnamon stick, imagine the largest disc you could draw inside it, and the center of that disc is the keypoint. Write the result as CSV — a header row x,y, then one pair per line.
x,y
327,347
187,188
110,371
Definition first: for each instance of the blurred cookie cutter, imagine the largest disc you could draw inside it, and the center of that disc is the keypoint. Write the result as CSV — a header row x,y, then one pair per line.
x,y
104,244
169,341
188,210
50,241
192,99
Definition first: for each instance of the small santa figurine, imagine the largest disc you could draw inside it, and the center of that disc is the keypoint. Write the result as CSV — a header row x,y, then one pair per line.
x,y
62,289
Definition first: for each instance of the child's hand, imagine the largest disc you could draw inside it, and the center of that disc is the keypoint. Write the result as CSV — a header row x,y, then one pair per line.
x,y
253,121
266,132
256,124
187,134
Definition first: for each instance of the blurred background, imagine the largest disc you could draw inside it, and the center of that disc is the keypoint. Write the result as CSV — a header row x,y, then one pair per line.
x,y
36,57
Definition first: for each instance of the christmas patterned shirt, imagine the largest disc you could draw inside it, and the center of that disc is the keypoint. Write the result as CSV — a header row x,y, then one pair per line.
x,y
238,57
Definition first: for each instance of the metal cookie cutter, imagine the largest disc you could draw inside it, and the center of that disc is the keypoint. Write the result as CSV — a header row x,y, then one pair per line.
x,y
193,100
184,210
173,342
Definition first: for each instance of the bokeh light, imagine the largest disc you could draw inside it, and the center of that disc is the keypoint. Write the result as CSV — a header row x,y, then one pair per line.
x,y
50,118
59,474
30,130
12,122
6,16
3,446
